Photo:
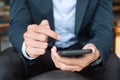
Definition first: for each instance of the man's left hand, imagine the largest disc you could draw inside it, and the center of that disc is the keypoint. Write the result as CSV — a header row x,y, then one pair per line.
x,y
75,64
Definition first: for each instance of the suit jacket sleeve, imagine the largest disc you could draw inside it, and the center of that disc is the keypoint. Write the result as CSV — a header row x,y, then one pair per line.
x,y
102,31
20,18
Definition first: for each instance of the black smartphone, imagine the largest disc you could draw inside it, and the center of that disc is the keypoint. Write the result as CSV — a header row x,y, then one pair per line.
x,y
74,53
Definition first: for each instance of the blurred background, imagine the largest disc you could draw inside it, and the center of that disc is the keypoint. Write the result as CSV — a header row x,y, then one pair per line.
x,y
4,24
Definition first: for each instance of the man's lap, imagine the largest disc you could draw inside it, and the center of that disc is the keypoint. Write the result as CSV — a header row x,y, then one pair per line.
x,y
12,65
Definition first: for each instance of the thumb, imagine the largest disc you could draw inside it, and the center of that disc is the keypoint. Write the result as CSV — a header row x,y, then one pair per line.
x,y
54,49
90,46
45,23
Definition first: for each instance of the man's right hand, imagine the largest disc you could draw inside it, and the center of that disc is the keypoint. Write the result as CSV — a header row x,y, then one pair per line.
x,y
36,38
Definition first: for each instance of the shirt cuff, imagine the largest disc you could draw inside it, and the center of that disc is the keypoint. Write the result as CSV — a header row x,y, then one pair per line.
x,y
24,53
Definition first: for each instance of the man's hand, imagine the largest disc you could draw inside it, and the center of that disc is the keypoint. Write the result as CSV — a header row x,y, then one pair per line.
x,y
75,64
36,38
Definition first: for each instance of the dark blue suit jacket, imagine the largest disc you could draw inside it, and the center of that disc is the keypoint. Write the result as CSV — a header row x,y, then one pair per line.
x,y
93,23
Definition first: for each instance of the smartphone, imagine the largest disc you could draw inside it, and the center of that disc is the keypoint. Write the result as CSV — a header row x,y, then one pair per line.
x,y
74,53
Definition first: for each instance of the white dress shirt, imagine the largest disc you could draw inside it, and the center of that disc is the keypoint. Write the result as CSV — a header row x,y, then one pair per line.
x,y
64,22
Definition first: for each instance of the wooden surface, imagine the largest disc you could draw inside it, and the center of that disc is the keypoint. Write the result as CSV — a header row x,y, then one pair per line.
x,y
117,40
2,27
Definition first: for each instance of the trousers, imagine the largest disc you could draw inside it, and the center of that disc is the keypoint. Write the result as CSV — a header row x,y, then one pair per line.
x,y
12,67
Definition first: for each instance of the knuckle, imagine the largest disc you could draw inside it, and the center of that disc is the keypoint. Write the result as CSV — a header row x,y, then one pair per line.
x,y
83,66
62,68
57,66
77,70
25,35
29,27
43,37
32,55
72,70
46,45
27,44
28,50
42,51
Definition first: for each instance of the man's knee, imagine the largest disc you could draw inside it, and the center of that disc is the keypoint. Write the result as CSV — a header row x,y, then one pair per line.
x,y
11,66
113,62
111,69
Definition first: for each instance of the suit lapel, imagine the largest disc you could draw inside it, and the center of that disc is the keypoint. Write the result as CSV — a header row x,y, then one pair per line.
x,y
48,12
50,15
80,12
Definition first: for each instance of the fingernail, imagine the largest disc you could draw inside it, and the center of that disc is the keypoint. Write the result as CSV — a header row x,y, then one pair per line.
x,y
53,49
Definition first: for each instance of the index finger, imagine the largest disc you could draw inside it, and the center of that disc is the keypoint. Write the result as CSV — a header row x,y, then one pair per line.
x,y
45,29
49,33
